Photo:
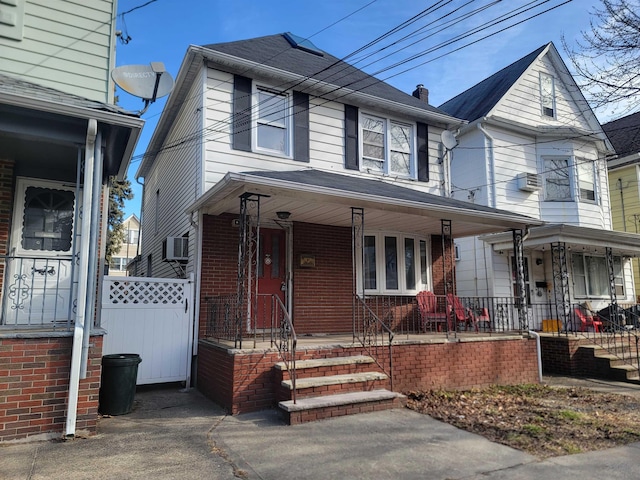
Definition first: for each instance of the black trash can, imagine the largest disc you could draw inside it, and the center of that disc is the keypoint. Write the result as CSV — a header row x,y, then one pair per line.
x,y
118,383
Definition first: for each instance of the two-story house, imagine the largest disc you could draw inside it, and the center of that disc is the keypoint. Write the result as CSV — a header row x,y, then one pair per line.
x,y
533,146
306,196
128,249
624,179
61,138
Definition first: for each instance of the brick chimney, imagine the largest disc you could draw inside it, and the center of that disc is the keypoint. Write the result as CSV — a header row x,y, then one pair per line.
x,y
421,93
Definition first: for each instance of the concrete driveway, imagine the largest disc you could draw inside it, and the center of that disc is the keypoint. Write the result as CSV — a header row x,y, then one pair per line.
x,y
173,434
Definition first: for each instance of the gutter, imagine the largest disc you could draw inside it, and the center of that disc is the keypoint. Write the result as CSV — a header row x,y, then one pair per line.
x,y
537,336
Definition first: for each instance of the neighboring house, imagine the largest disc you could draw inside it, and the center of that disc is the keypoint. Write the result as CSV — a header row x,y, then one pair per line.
x,y
624,179
61,138
297,187
534,147
129,248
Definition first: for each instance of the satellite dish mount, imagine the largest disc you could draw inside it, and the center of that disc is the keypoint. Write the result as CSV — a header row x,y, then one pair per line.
x,y
148,82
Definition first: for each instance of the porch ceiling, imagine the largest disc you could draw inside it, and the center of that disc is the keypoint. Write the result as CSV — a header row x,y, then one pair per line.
x,y
589,240
324,198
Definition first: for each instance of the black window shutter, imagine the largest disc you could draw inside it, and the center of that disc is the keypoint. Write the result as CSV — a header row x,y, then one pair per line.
x,y
300,127
423,152
351,137
241,113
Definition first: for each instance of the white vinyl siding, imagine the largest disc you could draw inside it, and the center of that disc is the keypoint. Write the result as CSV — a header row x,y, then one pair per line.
x,y
175,176
66,45
326,141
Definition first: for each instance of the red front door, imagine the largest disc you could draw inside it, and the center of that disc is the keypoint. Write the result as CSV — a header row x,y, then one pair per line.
x,y
271,273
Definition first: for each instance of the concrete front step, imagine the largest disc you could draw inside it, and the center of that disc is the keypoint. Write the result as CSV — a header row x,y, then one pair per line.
x,y
313,382
328,362
318,408
609,365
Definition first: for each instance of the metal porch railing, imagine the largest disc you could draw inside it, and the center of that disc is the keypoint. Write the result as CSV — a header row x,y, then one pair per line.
x,y
38,292
373,334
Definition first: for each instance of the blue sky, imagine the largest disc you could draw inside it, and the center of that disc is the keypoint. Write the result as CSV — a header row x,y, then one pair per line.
x,y
162,31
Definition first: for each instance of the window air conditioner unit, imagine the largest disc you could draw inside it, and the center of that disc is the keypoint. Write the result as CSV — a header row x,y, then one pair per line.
x,y
175,249
529,182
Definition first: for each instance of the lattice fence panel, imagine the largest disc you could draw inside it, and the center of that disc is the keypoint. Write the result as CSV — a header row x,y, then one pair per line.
x,y
145,293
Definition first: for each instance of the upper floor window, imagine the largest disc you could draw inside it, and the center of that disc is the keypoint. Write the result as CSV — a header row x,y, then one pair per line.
x,y
387,146
394,264
118,263
548,95
132,237
586,179
272,122
557,184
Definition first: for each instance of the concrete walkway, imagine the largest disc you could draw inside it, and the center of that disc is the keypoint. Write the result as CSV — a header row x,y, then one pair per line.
x,y
171,435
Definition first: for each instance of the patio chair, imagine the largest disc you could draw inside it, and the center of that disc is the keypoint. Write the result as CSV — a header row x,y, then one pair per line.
x,y
428,306
461,314
587,321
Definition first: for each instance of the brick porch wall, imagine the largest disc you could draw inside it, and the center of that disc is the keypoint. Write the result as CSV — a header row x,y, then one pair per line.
x,y
242,381
34,387
561,355
322,295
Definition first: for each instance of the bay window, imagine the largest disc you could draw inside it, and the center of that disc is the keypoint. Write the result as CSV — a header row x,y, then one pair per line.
x,y
591,277
586,180
394,264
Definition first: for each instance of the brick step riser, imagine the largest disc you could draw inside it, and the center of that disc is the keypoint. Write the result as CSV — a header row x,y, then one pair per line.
x,y
615,362
326,371
324,390
295,418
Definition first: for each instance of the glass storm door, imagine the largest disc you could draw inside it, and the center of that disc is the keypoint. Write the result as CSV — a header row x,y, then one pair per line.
x,y
271,274
38,284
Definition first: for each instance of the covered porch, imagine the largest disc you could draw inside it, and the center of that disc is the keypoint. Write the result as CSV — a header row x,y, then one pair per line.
x,y
345,258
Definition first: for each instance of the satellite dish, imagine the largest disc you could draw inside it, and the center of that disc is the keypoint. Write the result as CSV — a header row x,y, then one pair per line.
x,y
448,140
148,82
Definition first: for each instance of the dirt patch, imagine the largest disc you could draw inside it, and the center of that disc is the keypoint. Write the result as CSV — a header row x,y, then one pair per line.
x,y
540,420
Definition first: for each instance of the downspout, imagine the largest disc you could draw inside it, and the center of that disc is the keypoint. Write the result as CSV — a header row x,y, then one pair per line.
x,y
537,335
92,277
79,327
490,166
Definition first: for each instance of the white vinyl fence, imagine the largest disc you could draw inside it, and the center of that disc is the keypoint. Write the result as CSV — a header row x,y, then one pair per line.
x,y
153,318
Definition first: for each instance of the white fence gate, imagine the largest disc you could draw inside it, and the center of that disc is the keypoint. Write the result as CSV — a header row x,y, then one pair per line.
x,y
151,317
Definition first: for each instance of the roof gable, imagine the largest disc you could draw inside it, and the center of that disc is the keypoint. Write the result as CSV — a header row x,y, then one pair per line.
x,y
479,100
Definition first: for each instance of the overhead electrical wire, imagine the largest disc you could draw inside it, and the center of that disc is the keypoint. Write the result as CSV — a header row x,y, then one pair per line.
x,y
222,123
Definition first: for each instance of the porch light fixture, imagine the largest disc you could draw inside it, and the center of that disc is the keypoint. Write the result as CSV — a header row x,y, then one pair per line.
x,y
283,215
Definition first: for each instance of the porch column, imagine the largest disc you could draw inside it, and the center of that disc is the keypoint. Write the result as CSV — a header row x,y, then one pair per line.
x,y
612,278
447,246
248,256
357,256
521,290
561,282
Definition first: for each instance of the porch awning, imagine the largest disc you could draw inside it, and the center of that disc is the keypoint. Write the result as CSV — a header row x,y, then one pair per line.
x,y
578,239
326,198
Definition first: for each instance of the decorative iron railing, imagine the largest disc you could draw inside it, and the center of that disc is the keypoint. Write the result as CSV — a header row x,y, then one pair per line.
x,y
373,334
286,340
38,292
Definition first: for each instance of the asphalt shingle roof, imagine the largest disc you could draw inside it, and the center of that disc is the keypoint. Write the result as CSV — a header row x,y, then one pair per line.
x,y
373,187
624,134
477,101
275,51
18,86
